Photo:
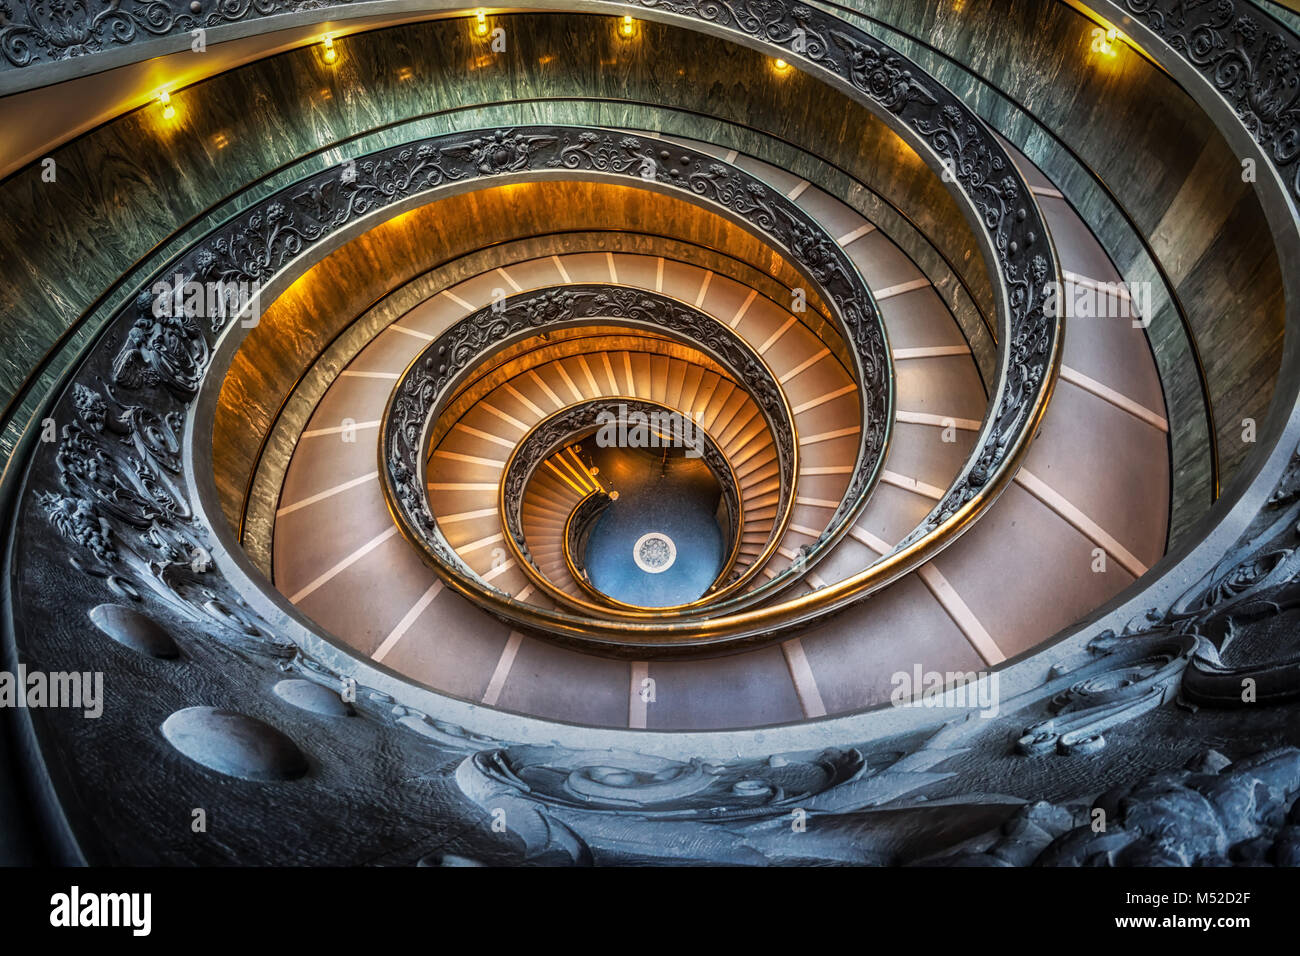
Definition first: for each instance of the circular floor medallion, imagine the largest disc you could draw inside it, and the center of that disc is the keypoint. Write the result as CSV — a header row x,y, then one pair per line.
x,y
654,552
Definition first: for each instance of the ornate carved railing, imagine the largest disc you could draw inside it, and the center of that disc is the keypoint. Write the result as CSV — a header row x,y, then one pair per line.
x,y
577,532
434,375
817,255
1029,357
578,422
272,235
1248,58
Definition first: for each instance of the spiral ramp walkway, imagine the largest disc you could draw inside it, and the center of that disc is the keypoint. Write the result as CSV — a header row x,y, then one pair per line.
x,y
911,370
1093,494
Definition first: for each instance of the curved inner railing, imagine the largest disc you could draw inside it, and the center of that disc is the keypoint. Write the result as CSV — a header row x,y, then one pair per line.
x,y
813,251
577,531
435,374
580,421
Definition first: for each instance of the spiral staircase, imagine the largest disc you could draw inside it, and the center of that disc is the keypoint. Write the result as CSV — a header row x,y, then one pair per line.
x,y
653,422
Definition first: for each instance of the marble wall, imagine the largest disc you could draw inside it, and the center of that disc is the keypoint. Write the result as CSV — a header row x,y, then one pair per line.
x,y
1155,181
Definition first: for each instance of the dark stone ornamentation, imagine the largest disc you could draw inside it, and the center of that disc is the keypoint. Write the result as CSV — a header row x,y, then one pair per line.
x,y
162,350
882,73
123,507
234,744
1118,679
314,697
1248,58
503,151
36,31
1214,812
578,807
132,629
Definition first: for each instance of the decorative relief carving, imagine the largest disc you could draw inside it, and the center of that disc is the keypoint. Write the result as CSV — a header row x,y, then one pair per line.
x,y
1129,675
622,782
123,508
578,805
35,31
1251,60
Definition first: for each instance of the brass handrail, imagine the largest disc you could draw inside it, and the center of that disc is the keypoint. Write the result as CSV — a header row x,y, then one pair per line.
x,y
579,513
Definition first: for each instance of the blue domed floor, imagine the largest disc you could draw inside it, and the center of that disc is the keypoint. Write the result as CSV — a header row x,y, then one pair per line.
x,y
659,543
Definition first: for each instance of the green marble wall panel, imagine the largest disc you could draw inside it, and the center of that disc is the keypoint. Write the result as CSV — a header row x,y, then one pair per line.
x,y
1123,142
1289,17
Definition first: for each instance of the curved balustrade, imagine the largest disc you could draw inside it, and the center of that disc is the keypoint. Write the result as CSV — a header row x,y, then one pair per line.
x,y
577,531
580,421
931,117
435,374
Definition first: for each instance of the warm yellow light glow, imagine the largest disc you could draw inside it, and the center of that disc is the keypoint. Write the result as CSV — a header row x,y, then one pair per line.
x,y
1106,41
627,27
165,98
781,66
480,23
331,54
